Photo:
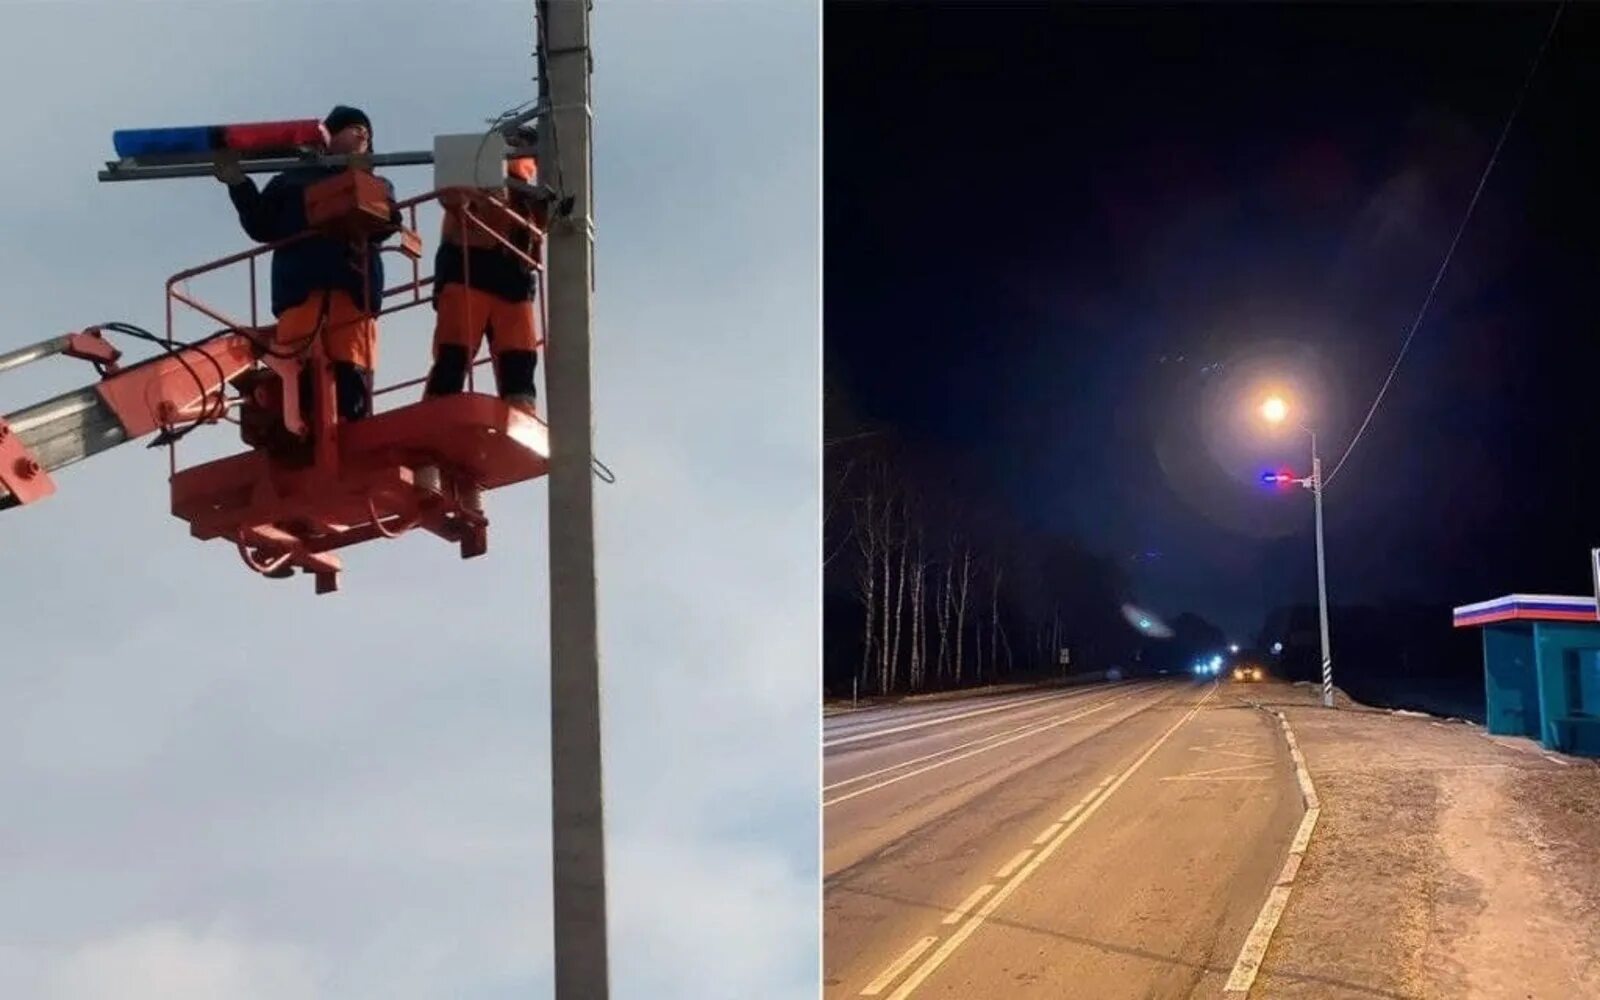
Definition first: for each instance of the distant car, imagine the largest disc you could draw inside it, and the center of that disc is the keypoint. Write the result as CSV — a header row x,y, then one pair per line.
x,y
1247,673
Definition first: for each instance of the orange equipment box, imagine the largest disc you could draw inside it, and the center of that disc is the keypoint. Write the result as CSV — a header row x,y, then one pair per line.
x,y
353,203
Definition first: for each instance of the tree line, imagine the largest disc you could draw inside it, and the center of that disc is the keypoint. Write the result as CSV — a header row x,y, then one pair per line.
x,y
931,585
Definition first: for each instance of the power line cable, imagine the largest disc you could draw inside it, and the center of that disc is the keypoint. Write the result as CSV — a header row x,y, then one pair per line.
x,y
1445,264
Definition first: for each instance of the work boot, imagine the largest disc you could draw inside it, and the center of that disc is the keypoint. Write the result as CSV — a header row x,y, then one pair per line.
x,y
448,376
515,378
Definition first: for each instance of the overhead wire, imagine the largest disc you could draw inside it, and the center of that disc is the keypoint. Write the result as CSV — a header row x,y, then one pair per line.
x,y
1444,265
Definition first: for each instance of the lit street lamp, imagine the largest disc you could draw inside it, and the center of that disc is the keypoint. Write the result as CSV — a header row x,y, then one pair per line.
x,y
1275,411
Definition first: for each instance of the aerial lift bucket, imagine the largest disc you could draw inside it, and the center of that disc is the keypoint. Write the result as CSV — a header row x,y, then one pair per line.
x,y
310,484
287,507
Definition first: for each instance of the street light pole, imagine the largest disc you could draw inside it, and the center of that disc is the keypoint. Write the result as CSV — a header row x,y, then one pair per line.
x,y
577,815
1322,575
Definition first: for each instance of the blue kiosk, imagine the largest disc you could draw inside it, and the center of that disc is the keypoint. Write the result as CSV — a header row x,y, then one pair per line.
x,y
1541,668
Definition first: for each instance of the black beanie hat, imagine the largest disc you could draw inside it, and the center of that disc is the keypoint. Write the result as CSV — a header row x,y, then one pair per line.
x,y
343,116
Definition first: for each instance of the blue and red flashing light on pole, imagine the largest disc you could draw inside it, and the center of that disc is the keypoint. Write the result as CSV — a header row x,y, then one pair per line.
x,y
205,141
1282,479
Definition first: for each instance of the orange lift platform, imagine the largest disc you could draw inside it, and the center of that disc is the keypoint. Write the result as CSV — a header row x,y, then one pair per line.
x,y
308,485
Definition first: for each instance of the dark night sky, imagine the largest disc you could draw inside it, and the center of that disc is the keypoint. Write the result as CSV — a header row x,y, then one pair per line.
x,y
1046,226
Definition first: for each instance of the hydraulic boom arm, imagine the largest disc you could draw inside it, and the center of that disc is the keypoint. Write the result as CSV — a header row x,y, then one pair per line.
x,y
183,386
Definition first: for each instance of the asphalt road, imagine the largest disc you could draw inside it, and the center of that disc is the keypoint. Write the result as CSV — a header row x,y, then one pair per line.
x,y
1102,842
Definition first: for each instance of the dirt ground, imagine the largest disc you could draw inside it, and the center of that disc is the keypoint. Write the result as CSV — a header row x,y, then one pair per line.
x,y
1445,864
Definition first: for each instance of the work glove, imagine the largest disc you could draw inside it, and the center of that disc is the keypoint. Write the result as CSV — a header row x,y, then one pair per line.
x,y
226,167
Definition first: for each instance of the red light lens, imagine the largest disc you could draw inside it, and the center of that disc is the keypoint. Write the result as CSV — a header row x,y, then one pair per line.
x,y
265,137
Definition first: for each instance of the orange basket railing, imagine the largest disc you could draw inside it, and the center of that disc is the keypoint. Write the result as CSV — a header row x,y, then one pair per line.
x,y
408,295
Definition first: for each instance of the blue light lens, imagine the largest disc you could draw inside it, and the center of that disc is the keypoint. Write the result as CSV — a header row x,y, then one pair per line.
x,y
164,141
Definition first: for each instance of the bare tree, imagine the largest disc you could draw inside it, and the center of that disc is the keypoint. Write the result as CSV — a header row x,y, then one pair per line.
x,y
962,580
994,617
831,504
946,601
1006,641
1055,639
978,644
918,644
900,545
870,543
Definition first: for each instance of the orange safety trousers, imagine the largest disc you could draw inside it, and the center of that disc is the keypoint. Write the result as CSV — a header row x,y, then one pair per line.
x,y
465,314
349,333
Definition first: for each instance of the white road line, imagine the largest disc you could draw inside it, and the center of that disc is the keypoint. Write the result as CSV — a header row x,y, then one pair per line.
x,y
1302,836
1232,753
1108,779
900,965
951,760
1230,767
932,962
1011,866
1049,831
1223,777
927,757
1307,793
1291,868
955,915
1255,946
1254,951
908,727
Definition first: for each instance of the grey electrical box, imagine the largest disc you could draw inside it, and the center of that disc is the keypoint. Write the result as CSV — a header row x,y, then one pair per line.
x,y
473,160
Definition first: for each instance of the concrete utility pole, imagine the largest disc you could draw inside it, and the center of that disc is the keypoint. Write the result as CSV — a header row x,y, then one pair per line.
x,y
1276,410
577,815
1322,577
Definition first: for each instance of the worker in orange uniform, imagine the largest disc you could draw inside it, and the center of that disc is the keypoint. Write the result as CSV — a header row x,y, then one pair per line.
x,y
482,289
322,286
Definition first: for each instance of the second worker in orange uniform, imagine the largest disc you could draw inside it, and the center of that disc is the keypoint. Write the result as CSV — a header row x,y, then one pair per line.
x,y
482,290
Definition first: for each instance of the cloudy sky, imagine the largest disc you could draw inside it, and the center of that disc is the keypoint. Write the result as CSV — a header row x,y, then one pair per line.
x,y
217,786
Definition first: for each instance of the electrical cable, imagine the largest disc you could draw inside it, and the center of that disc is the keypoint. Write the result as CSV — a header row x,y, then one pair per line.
x,y
1445,264
174,349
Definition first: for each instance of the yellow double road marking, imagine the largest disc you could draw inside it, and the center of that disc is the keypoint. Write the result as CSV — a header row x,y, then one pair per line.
x,y
898,966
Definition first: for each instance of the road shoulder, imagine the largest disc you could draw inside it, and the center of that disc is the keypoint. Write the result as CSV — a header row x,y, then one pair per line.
x,y
1444,865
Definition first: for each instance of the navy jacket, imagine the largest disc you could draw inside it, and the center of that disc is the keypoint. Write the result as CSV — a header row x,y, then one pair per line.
x,y
315,263
490,268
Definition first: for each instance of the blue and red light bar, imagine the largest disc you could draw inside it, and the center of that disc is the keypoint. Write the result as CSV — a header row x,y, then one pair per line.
x,y
202,140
